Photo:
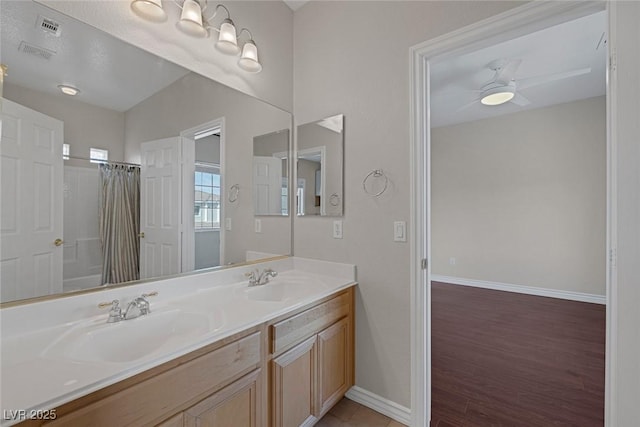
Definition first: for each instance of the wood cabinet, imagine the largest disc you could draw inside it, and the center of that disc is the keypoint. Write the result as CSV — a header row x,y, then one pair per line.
x,y
311,361
284,373
236,405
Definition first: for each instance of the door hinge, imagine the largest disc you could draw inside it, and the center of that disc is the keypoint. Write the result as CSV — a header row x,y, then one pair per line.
x,y
613,257
613,60
424,263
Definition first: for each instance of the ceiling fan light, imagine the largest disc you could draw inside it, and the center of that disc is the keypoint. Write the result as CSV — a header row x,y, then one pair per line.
x,y
497,96
190,21
249,59
68,90
228,40
150,10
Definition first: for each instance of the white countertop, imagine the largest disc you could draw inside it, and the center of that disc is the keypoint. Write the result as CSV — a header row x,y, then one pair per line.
x,y
37,374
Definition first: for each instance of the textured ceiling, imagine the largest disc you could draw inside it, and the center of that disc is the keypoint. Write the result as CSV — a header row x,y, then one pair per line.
x,y
577,44
109,73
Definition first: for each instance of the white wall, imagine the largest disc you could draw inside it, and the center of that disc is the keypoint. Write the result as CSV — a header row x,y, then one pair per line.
x,y
270,22
521,198
352,57
194,100
85,125
625,366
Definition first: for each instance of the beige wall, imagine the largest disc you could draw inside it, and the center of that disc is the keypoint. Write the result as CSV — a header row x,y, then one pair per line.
x,y
194,100
521,199
85,125
352,57
271,23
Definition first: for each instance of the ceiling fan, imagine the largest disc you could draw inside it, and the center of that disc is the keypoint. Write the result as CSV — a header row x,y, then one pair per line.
x,y
504,87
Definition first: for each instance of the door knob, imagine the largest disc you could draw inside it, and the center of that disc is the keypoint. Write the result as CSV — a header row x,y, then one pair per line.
x,y
58,242
141,235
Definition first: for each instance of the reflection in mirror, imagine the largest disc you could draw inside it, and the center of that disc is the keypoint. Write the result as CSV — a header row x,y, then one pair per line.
x,y
271,173
320,167
145,143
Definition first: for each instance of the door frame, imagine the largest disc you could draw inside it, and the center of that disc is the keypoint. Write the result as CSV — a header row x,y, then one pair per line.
x,y
518,21
188,172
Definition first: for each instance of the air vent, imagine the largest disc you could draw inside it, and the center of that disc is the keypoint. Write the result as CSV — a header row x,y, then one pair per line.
x,y
49,26
35,50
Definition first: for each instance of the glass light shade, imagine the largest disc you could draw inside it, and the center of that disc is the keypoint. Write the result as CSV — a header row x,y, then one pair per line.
x,y
249,59
227,40
497,98
68,90
149,9
191,19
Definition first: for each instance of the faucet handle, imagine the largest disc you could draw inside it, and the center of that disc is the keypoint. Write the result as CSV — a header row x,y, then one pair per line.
x,y
115,314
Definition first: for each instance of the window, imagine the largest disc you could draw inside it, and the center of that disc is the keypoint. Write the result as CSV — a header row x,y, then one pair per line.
x,y
98,155
65,151
207,197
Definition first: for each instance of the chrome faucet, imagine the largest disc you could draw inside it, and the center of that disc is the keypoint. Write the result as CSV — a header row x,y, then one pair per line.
x,y
138,307
258,279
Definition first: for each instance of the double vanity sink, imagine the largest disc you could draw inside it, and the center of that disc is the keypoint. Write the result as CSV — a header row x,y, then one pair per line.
x,y
56,351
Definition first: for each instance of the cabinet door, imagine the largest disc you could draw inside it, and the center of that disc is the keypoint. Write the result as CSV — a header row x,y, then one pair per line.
x,y
235,405
334,365
294,385
175,421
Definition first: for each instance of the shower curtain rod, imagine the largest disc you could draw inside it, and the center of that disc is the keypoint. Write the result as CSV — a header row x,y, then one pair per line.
x,y
100,161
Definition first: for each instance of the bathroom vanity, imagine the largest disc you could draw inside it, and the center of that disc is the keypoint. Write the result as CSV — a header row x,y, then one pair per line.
x,y
280,354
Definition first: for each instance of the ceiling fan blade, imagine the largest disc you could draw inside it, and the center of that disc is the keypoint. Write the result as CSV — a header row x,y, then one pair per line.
x,y
467,105
520,100
507,71
540,80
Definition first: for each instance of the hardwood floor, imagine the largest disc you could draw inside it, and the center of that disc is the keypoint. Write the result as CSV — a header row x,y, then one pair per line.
x,y
507,359
348,413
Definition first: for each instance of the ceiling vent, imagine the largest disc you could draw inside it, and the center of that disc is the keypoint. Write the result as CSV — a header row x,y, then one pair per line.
x,y
48,26
35,50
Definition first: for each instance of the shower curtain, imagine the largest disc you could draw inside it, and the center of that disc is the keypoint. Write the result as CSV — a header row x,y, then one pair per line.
x,y
120,222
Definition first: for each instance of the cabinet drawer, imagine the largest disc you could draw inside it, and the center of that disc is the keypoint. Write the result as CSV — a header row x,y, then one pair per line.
x,y
166,393
296,328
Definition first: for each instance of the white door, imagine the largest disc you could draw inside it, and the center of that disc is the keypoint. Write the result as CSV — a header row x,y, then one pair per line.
x,y
31,207
267,185
160,208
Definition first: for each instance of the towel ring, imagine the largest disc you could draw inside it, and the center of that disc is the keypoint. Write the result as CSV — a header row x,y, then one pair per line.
x,y
334,199
233,193
376,173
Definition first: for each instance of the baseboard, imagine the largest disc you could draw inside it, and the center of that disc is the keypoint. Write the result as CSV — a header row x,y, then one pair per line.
x,y
380,404
520,289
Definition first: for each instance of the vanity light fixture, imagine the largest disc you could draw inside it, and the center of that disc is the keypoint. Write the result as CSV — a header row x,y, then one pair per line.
x,y
149,9
193,22
69,90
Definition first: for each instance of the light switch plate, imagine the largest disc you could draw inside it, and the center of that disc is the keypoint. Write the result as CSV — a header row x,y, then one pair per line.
x,y
258,226
337,229
399,231
227,224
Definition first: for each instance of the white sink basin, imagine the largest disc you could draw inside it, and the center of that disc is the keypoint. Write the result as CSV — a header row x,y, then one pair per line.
x,y
279,290
129,340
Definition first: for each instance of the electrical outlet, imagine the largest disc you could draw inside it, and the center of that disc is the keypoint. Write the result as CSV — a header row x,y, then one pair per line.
x,y
337,229
452,261
258,226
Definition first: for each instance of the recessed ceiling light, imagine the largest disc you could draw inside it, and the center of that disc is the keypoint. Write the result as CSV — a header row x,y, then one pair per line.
x,y
68,90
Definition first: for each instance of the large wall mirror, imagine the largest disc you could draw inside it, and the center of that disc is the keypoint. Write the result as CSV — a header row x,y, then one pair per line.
x,y
320,167
144,172
271,174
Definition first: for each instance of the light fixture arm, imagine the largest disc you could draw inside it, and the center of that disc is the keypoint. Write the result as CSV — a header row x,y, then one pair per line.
x,y
243,30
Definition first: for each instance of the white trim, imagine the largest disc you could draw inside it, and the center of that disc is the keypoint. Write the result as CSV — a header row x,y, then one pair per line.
x,y
515,22
379,404
522,289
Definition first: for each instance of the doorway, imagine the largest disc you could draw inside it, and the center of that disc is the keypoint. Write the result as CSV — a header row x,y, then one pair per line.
x,y
515,23
203,201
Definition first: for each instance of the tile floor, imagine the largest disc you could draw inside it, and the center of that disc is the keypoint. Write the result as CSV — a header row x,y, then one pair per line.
x,y
348,413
